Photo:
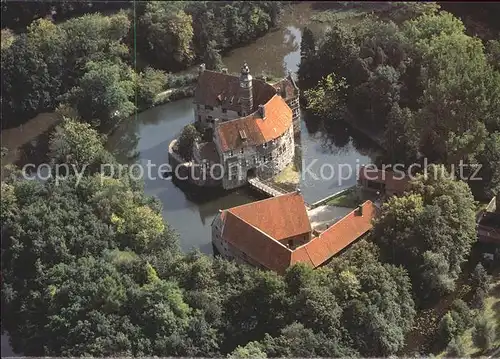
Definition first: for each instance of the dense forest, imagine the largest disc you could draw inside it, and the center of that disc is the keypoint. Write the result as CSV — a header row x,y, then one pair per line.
x,y
423,86
96,64
481,19
90,267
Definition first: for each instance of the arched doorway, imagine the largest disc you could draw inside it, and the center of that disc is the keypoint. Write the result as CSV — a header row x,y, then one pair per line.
x,y
251,173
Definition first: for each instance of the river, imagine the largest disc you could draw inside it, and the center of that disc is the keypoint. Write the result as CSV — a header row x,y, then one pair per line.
x,y
190,212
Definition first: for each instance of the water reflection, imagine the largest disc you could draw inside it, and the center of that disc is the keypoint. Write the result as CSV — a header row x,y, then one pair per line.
x,y
28,143
332,152
145,137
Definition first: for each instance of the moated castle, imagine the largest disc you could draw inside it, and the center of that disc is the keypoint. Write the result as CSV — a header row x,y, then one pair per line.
x,y
248,127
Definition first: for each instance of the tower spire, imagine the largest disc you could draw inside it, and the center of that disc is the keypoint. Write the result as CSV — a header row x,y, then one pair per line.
x,y
246,91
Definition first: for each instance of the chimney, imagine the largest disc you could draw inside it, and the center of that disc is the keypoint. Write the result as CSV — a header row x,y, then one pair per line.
x,y
224,70
360,210
201,68
262,111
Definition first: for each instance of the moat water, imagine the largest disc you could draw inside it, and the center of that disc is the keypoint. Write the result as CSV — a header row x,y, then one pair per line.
x,y
146,138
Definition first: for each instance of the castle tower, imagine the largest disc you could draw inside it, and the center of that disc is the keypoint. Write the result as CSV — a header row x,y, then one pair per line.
x,y
246,92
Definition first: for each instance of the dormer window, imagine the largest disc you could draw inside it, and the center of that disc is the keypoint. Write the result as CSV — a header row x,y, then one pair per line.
x,y
243,135
231,153
264,145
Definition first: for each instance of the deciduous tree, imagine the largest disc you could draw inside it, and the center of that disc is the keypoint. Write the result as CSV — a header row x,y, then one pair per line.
x,y
429,232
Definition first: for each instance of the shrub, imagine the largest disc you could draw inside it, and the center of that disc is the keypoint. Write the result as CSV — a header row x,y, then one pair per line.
x,y
187,138
150,83
483,334
447,329
480,278
478,299
455,348
462,315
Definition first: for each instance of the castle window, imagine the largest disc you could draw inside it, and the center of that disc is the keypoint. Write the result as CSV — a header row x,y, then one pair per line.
x,y
224,110
233,172
231,153
207,107
242,151
239,113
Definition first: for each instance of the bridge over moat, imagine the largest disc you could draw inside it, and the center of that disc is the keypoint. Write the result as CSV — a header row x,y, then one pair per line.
x,y
266,187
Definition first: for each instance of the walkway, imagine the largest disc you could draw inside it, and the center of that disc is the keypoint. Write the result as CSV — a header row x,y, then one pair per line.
x,y
271,191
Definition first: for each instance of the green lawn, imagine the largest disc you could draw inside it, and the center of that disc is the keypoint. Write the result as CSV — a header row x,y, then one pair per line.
x,y
351,198
289,175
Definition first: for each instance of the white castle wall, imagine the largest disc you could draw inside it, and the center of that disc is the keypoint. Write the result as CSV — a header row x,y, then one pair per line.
x,y
263,161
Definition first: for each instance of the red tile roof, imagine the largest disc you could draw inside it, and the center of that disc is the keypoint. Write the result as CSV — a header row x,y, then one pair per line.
x,y
278,119
340,235
279,217
213,86
255,244
220,89
262,92
255,228
393,182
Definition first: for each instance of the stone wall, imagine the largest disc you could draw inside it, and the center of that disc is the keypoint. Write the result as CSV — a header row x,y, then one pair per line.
x,y
177,162
206,173
293,103
263,161
190,171
226,249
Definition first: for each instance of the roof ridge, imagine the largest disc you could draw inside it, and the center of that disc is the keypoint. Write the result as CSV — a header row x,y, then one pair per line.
x,y
346,216
305,247
265,200
221,73
261,231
